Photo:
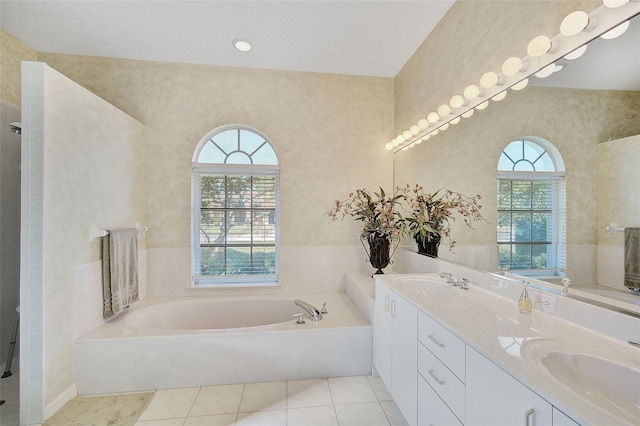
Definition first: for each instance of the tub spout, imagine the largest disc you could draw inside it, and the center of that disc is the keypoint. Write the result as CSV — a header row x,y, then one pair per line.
x,y
314,314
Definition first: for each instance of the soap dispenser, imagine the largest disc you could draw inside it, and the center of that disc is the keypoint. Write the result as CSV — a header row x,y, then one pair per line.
x,y
524,303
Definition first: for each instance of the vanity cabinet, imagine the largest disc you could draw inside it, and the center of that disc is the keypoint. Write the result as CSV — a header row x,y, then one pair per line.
x,y
395,349
495,398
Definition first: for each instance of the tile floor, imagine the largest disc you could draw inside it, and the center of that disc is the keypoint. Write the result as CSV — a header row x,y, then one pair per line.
x,y
342,401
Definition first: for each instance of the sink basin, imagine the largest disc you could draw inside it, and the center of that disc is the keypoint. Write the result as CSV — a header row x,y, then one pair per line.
x,y
604,378
427,287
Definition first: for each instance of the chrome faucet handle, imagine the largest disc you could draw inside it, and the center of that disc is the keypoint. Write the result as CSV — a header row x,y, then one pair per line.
x,y
464,284
566,282
300,318
324,309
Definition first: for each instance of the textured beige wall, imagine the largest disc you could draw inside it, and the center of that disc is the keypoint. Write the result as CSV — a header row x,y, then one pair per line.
x,y
12,51
474,37
325,128
94,173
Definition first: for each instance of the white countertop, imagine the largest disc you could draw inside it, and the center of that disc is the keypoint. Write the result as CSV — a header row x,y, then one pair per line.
x,y
493,326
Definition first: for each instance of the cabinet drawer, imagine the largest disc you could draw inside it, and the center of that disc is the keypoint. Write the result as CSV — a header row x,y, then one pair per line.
x,y
431,410
443,381
443,344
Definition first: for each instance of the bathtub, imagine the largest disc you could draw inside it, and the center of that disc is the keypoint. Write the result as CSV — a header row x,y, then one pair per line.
x,y
163,343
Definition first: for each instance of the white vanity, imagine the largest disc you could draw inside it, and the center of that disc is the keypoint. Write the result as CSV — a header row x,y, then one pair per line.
x,y
468,357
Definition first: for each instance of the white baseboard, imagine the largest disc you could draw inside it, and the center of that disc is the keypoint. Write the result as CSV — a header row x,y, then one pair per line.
x,y
67,395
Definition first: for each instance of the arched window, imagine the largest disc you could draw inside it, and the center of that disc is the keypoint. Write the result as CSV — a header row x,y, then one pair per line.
x,y
531,209
235,207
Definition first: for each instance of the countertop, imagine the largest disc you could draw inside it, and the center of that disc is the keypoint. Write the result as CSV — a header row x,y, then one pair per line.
x,y
493,326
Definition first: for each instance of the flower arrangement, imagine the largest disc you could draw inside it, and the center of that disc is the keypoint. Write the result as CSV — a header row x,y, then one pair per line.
x,y
376,211
430,214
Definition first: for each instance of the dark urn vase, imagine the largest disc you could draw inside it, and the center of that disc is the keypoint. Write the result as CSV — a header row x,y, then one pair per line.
x,y
429,245
379,249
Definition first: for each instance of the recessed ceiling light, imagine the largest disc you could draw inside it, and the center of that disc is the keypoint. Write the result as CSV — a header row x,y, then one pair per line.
x,y
242,45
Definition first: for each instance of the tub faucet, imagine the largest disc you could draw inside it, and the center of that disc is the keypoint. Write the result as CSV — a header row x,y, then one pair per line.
x,y
314,314
451,279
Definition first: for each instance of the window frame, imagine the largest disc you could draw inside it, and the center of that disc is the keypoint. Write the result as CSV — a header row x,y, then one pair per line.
x,y
217,169
557,268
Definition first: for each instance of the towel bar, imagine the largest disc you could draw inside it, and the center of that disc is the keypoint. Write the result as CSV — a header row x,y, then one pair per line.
x,y
95,232
613,227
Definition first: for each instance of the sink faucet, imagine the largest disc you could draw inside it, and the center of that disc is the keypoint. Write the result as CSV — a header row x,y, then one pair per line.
x,y
314,314
451,279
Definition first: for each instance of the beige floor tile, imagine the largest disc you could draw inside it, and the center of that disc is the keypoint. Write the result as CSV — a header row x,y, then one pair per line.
x,y
215,420
170,404
308,393
263,418
312,416
365,414
351,390
223,399
379,388
264,396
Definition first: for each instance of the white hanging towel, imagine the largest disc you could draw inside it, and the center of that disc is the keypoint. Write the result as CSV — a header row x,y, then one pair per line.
x,y
119,270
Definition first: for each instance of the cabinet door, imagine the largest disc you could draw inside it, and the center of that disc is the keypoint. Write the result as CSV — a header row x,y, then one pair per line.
x,y
404,386
561,419
495,398
432,410
382,331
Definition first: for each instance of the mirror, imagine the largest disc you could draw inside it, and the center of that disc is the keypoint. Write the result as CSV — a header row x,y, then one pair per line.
x,y
590,111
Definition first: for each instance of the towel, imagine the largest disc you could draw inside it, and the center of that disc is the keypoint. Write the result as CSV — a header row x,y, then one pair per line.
x,y
632,258
119,270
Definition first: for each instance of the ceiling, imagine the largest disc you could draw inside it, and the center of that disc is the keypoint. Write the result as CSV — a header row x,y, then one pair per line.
x,y
373,38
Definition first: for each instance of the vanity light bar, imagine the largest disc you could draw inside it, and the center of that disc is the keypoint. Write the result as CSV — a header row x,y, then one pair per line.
x,y
542,52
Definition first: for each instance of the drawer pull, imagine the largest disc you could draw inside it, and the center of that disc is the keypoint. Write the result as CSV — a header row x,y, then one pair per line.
x,y
386,303
393,309
528,416
436,378
436,341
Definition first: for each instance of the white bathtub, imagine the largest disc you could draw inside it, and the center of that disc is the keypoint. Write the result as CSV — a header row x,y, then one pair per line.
x,y
200,341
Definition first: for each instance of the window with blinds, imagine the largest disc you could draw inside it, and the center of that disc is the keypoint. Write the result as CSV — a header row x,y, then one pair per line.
x,y
530,209
235,204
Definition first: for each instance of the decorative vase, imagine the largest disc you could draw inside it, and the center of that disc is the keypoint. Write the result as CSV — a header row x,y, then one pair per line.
x,y
429,245
379,249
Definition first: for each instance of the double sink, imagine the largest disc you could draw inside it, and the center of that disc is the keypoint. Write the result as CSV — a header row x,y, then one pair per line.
x,y
607,379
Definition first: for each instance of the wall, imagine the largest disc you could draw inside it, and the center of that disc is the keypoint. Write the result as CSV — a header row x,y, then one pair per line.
x,y
82,164
326,130
618,202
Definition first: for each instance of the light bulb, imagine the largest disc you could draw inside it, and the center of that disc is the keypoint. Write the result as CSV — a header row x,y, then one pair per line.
x,y
389,146
468,114
521,85
456,101
406,135
616,32
576,53
539,46
426,138
489,79
405,148
444,110
414,130
612,4
546,71
500,96
574,23
435,132
512,66
455,120
471,92
433,117
423,124
444,127
418,142
482,105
